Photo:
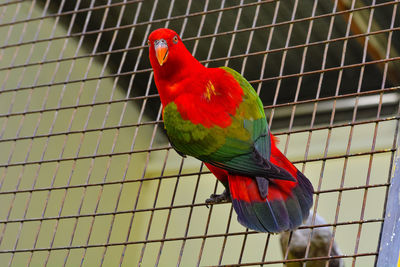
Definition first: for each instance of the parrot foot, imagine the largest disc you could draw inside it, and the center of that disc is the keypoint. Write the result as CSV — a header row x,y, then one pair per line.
x,y
215,198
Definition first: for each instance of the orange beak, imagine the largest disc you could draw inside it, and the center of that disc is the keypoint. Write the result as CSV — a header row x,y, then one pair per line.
x,y
161,49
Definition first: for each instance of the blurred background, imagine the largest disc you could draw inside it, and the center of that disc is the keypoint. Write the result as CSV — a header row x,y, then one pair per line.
x,y
87,176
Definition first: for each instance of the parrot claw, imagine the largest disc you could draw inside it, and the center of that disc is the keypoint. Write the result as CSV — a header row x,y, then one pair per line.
x,y
215,198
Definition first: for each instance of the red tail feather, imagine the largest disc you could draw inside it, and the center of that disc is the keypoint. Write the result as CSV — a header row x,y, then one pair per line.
x,y
279,159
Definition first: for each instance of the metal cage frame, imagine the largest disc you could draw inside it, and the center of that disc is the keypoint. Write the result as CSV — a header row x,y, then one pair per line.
x,y
359,42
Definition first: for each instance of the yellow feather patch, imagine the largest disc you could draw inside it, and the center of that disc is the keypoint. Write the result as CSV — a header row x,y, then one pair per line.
x,y
210,89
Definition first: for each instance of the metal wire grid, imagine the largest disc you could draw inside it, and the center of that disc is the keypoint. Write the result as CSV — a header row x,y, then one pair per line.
x,y
87,179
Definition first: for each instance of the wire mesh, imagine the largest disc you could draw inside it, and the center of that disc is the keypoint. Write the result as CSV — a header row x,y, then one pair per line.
x,y
88,178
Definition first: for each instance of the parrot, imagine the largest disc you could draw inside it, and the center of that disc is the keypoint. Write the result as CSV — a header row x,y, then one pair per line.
x,y
216,116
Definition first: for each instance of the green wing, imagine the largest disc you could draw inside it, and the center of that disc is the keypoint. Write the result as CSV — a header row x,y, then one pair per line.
x,y
254,117
243,147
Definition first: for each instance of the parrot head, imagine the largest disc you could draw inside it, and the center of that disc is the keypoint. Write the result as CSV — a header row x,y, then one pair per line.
x,y
164,44
171,62
168,55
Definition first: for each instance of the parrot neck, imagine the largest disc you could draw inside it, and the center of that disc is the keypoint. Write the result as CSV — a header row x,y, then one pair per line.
x,y
172,76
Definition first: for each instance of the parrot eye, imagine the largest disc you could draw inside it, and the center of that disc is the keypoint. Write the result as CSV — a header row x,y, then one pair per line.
x,y
175,39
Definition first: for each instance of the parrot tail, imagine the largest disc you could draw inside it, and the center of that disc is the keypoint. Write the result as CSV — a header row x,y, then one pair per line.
x,y
270,205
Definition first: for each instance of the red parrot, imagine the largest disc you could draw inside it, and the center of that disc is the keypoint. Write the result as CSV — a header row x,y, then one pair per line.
x,y
215,115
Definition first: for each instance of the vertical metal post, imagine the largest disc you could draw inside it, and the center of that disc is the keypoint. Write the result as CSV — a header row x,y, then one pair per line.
x,y
389,247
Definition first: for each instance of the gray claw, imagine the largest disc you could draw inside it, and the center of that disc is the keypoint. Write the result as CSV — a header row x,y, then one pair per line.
x,y
215,198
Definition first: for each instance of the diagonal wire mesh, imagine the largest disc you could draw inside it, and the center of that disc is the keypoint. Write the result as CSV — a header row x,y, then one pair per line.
x,y
88,178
